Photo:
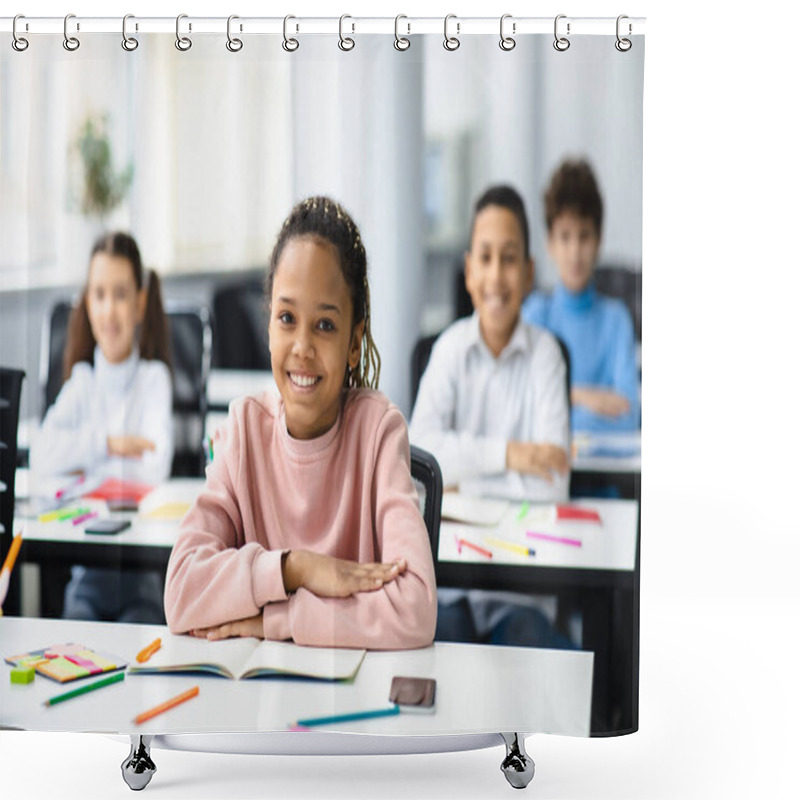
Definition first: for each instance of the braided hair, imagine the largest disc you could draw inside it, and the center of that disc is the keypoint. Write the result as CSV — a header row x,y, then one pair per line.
x,y
325,220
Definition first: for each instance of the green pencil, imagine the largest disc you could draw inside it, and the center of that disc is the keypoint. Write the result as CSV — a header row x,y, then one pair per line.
x,y
89,687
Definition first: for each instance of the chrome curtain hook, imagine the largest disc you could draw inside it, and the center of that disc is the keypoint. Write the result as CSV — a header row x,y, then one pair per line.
x,y
346,43
129,43
19,43
400,42
623,45
289,45
507,42
451,42
561,43
71,43
183,43
233,44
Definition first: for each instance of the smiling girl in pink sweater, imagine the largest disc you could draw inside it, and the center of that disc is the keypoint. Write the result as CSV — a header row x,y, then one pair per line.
x,y
309,526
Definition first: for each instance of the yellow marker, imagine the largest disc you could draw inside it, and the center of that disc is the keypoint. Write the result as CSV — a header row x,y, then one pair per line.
x,y
512,546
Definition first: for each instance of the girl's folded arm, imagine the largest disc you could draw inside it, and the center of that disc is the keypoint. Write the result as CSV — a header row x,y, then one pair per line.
x,y
214,576
401,614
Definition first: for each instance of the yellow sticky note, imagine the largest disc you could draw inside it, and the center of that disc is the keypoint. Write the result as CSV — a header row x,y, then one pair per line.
x,y
170,511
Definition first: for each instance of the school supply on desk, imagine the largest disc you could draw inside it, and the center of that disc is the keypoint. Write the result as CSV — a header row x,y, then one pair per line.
x,y
576,514
89,687
335,719
67,662
70,488
473,510
549,537
144,654
22,675
461,542
167,705
63,514
251,658
173,512
8,565
84,517
115,489
512,547
417,695
107,526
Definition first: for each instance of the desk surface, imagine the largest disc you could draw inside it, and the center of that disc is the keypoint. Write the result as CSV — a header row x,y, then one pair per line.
x,y
610,545
618,453
480,689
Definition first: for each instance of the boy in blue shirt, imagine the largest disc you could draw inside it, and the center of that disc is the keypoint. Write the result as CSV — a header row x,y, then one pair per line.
x,y
597,329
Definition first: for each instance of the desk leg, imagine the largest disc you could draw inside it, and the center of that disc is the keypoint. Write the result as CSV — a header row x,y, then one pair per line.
x,y
517,766
138,768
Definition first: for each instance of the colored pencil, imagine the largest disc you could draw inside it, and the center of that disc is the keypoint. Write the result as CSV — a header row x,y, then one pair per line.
x,y
483,551
167,705
549,537
89,687
311,722
145,653
8,565
511,546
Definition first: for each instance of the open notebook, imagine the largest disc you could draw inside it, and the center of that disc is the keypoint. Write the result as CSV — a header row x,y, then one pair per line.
x,y
251,658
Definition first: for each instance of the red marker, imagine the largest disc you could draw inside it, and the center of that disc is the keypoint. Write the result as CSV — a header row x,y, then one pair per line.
x,y
472,546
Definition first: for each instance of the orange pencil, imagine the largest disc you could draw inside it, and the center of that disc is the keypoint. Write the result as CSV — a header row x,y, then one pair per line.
x,y
167,705
145,653
8,565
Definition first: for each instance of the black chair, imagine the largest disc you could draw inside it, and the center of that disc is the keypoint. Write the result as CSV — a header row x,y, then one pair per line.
x,y
10,391
425,470
626,285
190,351
240,326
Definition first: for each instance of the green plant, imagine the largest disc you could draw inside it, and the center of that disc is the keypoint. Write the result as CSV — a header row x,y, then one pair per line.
x,y
103,189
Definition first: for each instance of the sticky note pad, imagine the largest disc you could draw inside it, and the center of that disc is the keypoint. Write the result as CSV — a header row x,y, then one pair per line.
x,y
22,675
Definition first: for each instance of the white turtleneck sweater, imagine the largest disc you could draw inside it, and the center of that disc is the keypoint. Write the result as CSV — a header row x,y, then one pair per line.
x,y
132,398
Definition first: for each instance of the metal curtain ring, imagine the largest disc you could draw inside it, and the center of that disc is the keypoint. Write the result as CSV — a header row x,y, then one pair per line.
x,y
451,42
400,42
561,43
183,43
71,43
346,43
233,44
19,43
623,45
289,45
129,43
507,42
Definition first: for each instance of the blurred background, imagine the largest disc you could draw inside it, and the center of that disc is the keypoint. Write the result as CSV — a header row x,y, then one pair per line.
x,y
201,154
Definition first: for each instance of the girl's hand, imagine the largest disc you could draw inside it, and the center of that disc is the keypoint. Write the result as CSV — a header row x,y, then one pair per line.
x,y
541,460
601,401
129,446
326,576
252,626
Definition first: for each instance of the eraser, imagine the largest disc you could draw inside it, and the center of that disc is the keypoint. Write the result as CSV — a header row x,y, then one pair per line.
x,y
22,675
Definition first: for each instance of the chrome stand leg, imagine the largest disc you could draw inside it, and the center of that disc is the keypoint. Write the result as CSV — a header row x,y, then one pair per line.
x,y
517,766
138,768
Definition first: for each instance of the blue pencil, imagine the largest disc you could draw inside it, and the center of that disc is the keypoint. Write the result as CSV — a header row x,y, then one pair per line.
x,y
391,711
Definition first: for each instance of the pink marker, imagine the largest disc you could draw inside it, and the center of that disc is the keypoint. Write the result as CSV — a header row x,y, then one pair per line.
x,y
70,486
549,537
84,517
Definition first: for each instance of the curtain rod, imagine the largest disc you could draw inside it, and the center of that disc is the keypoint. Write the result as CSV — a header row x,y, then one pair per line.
x,y
406,26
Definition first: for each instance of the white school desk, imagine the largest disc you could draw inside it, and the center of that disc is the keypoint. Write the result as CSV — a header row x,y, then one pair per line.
x,y
607,452
553,689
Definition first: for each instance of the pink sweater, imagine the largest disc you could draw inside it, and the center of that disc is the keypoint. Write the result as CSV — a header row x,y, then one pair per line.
x,y
347,493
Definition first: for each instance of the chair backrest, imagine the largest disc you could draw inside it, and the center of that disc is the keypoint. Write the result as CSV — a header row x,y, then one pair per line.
x,y
240,326
626,285
54,339
190,351
10,390
425,470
